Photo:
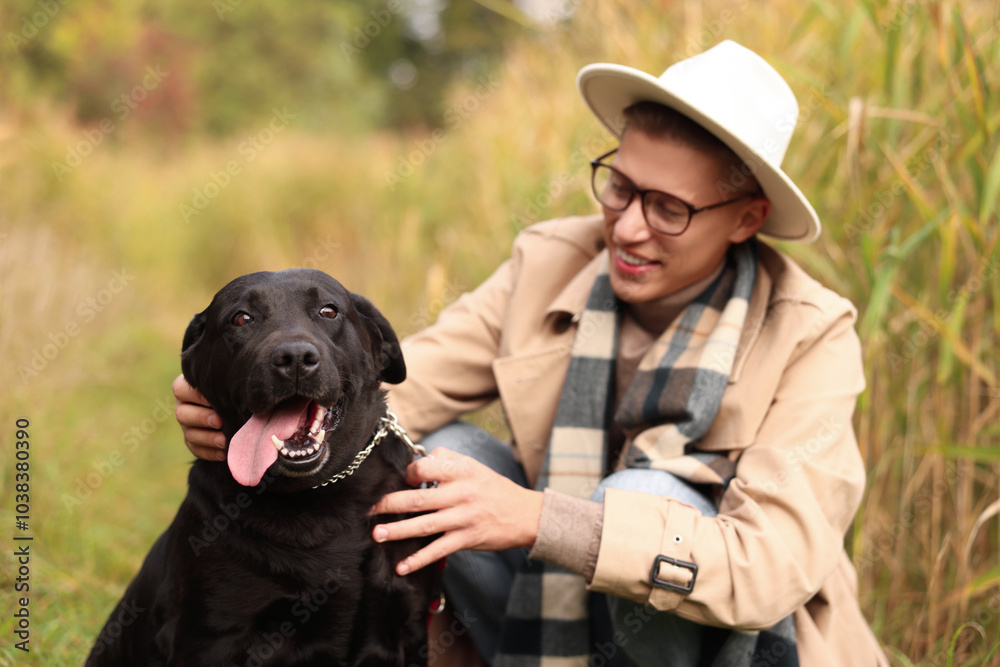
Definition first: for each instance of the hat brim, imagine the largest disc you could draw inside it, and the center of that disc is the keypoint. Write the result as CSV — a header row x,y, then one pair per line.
x,y
609,89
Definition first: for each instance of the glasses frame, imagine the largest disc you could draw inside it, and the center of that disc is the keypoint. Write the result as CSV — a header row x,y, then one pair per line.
x,y
692,210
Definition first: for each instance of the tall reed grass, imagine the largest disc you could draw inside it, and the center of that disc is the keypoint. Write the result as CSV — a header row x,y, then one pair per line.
x,y
897,146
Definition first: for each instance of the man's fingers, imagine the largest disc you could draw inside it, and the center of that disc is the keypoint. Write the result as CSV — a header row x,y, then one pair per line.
x,y
190,415
210,452
206,443
185,393
441,466
199,422
418,471
440,548
413,500
418,526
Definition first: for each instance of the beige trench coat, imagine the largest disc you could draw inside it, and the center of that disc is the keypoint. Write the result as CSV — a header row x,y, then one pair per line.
x,y
776,546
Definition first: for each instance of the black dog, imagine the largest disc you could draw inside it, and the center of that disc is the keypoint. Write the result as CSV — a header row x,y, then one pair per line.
x,y
264,564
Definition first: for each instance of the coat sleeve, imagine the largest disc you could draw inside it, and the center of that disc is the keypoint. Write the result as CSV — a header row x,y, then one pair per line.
x,y
448,364
782,519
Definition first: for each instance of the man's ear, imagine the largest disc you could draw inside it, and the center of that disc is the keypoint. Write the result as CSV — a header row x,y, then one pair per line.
x,y
385,345
192,336
753,214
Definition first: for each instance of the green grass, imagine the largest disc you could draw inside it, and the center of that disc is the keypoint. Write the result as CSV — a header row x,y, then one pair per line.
x,y
897,147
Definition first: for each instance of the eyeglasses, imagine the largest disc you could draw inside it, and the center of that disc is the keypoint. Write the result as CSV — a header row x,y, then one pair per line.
x,y
664,213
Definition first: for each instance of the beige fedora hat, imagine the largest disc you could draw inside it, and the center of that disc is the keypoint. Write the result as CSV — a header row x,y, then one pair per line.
x,y
734,94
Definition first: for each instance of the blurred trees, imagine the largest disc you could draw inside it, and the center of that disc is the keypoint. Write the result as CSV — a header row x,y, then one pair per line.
x,y
226,64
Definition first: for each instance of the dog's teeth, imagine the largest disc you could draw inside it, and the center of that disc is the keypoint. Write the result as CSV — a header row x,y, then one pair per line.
x,y
319,438
278,444
318,421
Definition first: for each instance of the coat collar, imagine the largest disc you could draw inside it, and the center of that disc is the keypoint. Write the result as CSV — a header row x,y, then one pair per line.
x,y
572,300
756,314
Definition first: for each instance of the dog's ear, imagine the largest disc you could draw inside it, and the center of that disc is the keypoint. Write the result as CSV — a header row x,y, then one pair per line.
x,y
385,344
191,337
194,331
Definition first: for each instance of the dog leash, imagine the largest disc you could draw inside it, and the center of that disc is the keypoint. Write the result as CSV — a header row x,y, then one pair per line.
x,y
389,424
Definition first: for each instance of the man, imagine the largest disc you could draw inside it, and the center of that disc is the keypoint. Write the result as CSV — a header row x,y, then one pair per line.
x,y
683,466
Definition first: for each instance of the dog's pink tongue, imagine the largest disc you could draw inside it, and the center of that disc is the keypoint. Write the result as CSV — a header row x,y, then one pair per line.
x,y
251,451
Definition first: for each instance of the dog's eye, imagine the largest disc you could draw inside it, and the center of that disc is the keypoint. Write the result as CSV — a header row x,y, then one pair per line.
x,y
329,312
242,319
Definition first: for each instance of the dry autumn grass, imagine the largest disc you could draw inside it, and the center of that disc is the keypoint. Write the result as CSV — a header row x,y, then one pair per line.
x,y
897,146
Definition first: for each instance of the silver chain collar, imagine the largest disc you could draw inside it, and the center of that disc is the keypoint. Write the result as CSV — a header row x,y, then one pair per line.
x,y
389,424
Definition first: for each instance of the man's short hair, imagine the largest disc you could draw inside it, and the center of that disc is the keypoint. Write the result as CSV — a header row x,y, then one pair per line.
x,y
662,122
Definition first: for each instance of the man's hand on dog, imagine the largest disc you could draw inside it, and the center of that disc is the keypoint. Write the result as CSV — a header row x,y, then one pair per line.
x,y
476,508
199,422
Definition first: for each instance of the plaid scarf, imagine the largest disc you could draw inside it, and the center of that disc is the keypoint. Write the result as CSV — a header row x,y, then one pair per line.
x,y
669,405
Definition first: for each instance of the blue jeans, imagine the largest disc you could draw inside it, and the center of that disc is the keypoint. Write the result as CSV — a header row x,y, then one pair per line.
x,y
478,583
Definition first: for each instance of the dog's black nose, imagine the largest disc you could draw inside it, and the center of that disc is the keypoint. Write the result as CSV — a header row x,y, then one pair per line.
x,y
295,359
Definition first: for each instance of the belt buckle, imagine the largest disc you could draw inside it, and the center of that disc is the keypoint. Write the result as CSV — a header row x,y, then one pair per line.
x,y
669,585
